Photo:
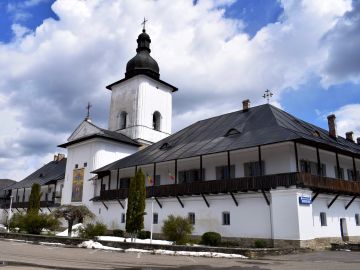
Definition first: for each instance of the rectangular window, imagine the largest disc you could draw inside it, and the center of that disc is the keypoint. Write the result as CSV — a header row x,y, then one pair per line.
x,y
352,176
155,218
339,173
85,164
357,219
222,172
323,220
76,166
190,176
103,186
226,218
123,218
192,218
124,182
312,167
253,168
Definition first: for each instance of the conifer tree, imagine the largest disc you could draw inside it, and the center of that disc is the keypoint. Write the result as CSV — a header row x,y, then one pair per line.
x,y
136,203
34,199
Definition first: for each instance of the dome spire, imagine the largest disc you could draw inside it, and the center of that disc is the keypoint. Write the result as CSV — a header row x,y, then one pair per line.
x,y
142,63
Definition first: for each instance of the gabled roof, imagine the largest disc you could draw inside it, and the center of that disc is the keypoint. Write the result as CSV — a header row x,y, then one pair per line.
x,y
98,132
53,171
259,125
4,183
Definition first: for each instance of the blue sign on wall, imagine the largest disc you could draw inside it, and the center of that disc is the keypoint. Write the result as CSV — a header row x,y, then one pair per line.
x,y
306,200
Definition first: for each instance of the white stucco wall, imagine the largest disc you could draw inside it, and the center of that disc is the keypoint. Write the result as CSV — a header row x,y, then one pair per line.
x,y
96,153
140,97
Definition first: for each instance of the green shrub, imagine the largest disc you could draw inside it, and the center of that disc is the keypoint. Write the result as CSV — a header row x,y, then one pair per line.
x,y
33,223
144,235
260,243
90,231
177,229
211,239
118,233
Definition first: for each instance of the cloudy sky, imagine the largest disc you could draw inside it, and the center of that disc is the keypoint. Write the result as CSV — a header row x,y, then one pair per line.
x,y
55,56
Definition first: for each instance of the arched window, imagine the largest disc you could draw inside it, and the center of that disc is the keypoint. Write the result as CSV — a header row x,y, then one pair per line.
x,y
122,120
156,120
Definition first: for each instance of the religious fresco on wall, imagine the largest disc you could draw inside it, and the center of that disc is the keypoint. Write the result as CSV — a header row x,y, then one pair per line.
x,y
77,185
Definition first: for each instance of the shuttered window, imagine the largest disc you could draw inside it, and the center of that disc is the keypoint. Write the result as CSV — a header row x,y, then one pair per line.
x,y
323,220
253,168
222,172
190,176
312,167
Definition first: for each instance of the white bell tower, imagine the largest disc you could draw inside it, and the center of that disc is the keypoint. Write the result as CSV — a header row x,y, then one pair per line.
x,y
141,103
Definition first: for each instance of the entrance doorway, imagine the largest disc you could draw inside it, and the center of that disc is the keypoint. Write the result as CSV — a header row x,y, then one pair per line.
x,y
343,229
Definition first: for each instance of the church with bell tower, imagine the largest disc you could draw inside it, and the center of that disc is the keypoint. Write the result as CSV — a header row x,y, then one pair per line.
x,y
140,115
141,103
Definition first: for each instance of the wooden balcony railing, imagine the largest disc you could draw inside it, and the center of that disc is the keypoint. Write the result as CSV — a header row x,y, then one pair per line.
x,y
6,204
266,182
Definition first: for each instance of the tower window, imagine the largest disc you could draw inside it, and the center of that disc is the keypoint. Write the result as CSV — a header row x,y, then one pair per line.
x,y
122,120
156,120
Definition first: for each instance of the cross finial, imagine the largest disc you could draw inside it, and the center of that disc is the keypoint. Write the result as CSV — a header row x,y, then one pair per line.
x,y
88,111
143,24
268,95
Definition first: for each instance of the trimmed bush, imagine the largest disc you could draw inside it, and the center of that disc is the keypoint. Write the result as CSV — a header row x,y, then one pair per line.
x,y
144,235
33,223
211,239
177,229
90,231
118,233
260,243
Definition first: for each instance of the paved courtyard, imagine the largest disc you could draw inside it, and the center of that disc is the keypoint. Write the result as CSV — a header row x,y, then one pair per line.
x,y
28,256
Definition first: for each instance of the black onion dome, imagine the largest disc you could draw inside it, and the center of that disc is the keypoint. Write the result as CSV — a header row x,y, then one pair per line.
x,y
142,62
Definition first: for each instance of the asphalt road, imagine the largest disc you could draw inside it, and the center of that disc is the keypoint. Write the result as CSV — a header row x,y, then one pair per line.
x,y
28,256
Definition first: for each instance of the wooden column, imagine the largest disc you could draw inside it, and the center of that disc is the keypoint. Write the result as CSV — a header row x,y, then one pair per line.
x,y
23,196
201,168
354,168
260,163
109,181
296,157
337,165
318,161
176,171
229,164
17,193
154,174
117,179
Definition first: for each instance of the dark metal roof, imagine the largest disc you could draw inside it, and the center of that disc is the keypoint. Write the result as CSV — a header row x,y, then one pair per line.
x,y
259,125
105,134
4,183
53,171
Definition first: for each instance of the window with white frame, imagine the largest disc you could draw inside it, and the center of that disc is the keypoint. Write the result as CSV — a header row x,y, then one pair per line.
x,y
226,218
191,217
156,120
323,220
123,218
357,219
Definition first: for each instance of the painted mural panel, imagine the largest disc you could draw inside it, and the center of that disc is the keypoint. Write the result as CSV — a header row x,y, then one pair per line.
x,y
77,186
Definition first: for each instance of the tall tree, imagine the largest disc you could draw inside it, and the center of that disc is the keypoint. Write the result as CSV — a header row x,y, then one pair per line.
x,y
136,203
34,199
71,213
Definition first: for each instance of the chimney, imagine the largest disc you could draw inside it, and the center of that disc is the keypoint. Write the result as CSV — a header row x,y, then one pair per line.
x,y
246,104
332,125
55,157
61,156
358,140
349,136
